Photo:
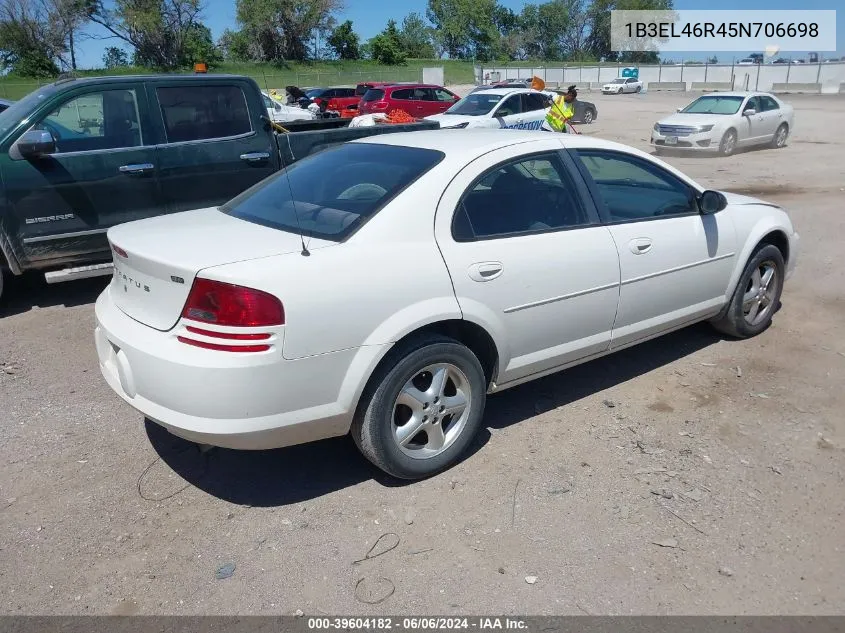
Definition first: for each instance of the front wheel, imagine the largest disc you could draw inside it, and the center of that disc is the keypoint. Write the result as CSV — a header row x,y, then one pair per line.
x,y
779,139
619,92
588,116
757,295
639,89
422,408
727,146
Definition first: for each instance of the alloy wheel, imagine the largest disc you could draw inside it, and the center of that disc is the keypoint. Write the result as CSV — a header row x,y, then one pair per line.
x,y
759,298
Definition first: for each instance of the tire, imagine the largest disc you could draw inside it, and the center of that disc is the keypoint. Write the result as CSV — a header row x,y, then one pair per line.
x,y
781,134
727,145
619,92
735,321
589,116
376,427
639,89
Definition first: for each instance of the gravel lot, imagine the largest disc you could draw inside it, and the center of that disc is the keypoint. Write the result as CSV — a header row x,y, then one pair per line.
x,y
689,475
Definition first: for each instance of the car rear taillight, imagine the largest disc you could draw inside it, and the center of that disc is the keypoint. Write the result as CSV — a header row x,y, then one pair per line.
x,y
119,251
229,305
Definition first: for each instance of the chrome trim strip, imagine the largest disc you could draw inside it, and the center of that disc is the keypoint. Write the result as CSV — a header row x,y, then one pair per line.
x,y
677,269
62,236
571,295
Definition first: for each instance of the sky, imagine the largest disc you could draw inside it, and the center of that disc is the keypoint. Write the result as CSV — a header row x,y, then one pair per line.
x,y
370,16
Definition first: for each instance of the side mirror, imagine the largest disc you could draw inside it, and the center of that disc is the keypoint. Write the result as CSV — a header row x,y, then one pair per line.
x,y
749,112
711,202
36,143
678,109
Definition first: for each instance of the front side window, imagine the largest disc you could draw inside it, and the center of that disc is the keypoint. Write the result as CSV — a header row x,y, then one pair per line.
x,y
634,189
768,104
511,105
443,95
108,119
535,101
529,195
195,113
364,178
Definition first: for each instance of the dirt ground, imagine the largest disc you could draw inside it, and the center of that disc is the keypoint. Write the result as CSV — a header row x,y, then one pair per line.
x,y
689,475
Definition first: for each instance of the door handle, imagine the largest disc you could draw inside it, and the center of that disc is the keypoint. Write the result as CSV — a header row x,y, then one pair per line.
x,y
640,246
140,168
485,271
254,157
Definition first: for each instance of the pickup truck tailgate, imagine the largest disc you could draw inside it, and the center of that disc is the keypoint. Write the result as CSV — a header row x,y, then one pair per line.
x,y
156,260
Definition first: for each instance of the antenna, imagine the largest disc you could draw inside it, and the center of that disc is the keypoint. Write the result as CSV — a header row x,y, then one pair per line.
x,y
278,128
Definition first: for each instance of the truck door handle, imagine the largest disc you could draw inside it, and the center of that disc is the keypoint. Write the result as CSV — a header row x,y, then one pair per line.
x,y
485,271
254,157
640,246
134,170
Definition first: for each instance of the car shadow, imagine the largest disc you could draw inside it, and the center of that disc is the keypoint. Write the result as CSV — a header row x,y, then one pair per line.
x,y
299,473
22,294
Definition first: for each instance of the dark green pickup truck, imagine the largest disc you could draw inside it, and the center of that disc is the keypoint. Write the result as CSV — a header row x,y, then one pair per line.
x,y
82,155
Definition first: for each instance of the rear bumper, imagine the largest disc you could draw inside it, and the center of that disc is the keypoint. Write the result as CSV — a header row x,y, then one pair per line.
x,y
247,401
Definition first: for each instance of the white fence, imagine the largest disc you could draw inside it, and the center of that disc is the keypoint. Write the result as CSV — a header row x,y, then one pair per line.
x,y
825,77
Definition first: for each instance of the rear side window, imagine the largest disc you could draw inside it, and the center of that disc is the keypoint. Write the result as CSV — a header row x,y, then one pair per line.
x,y
364,178
403,95
195,113
373,94
345,92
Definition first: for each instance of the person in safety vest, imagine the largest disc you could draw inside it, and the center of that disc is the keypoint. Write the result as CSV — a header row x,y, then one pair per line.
x,y
562,110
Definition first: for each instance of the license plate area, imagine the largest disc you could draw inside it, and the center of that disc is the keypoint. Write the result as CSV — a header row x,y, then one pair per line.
x,y
671,140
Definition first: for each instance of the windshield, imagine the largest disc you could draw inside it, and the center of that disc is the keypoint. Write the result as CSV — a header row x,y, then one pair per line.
x,y
364,178
475,104
10,117
618,81
714,105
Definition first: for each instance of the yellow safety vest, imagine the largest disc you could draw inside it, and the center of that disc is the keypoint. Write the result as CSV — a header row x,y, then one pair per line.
x,y
559,114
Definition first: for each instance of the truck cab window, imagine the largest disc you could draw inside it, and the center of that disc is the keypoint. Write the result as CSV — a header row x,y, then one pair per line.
x,y
203,112
107,119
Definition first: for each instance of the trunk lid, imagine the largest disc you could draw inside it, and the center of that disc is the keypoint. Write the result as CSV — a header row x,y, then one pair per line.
x,y
156,260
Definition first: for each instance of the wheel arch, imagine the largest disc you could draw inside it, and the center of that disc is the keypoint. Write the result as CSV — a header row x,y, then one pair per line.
x,y
371,359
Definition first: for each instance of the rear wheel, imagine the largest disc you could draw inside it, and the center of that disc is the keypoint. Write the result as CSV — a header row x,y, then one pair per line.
x,y
422,408
639,88
757,295
779,139
588,116
727,146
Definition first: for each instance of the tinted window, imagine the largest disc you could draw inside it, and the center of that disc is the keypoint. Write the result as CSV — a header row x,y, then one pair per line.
x,y
373,94
361,90
511,105
443,95
345,92
364,177
99,120
751,103
767,103
193,113
635,189
534,101
528,195
401,94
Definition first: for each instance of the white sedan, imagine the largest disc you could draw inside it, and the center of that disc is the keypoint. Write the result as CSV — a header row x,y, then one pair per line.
x,y
283,113
384,287
622,84
512,108
724,121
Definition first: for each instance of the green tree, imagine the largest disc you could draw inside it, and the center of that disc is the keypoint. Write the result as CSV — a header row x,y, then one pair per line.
x,y
344,41
115,57
465,28
598,41
416,37
32,40
282,29
386,47
237,46
165,34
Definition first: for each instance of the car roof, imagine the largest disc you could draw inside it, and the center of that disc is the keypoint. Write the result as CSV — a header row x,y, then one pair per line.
x,y
411,85
474,142
738,93
506,91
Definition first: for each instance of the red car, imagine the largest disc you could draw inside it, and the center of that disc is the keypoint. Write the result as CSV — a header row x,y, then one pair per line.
x,y
418,100
339,98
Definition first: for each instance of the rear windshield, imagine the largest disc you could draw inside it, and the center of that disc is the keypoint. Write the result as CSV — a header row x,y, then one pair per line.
x,y
714,105
361,90
329,195
373,94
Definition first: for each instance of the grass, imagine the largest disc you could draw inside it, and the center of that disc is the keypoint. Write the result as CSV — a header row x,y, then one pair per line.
x,y
278,76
